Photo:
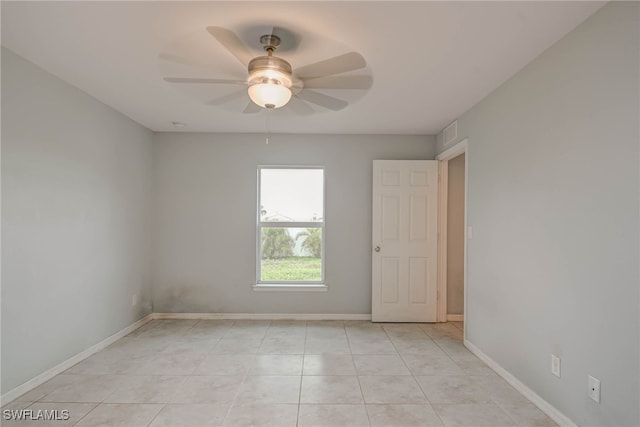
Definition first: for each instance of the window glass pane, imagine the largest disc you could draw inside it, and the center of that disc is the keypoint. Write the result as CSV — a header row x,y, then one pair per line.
x,y
291,195
291,254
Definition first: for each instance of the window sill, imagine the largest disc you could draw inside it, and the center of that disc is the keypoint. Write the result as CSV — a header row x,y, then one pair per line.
x,y
281,287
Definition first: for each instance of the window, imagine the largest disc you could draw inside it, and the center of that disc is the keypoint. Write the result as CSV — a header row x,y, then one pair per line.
x,y
290,225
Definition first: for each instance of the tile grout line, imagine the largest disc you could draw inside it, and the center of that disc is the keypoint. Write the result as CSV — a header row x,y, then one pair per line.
x,y
82,417
364,402
244,378
156,415
468,375
304,347
413,376
175,391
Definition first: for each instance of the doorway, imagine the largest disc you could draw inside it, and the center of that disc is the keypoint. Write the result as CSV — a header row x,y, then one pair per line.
x,y
452,233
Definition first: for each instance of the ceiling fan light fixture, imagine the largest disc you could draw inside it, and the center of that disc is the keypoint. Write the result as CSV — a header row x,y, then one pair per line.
x,y
269,95
269,81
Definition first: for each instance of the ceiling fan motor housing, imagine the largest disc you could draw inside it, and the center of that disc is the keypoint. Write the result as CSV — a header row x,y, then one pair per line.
x,y
270,69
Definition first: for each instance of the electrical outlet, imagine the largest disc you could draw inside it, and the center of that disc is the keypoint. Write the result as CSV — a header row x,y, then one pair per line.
x,y
134,300
594,389
555,365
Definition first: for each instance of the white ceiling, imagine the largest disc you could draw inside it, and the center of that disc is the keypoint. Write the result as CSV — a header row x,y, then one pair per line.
x,y
430,61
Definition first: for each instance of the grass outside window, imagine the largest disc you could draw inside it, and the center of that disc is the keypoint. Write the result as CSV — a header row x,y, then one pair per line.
x,y
292,269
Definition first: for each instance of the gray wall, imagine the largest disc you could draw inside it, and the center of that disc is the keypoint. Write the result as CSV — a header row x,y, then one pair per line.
x,y
455,236
205,209
76,181
553,201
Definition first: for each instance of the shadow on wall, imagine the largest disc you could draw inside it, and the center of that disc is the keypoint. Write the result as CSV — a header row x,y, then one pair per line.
x,y
187,298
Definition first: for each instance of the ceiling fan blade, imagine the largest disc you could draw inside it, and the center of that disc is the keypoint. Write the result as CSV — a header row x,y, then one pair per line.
x,y
336,65
339,82
232,43
204,81
230,97
298,106
252,108
323,100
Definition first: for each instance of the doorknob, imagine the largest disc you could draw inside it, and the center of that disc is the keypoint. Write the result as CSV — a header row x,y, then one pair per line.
x,y
377,249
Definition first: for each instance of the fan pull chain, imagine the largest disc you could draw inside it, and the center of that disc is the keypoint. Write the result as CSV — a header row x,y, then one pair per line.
x,y
268,119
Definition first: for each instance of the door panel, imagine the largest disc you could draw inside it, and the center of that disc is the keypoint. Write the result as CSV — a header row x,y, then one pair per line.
x,y
417,279
418,178
390,280
391,178
404,240
390,218
417,216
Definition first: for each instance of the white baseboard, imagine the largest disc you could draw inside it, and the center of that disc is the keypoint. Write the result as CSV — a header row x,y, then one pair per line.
x,y
261,316
542,404
455,317
47,375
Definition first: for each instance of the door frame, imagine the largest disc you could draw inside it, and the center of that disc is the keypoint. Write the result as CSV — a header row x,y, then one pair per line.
x,y
443,158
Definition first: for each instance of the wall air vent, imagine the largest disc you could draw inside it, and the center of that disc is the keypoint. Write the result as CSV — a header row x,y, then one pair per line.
x,y
450,133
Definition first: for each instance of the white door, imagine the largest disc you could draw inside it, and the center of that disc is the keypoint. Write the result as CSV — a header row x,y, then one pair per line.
x,y
405,227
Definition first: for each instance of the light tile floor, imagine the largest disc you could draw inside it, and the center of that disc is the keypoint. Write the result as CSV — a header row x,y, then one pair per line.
x,y
283,373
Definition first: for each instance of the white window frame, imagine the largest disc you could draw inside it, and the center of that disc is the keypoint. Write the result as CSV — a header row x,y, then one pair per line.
x,y
284,285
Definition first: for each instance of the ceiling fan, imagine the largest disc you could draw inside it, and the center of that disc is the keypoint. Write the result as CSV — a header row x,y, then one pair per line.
x,y
272,83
